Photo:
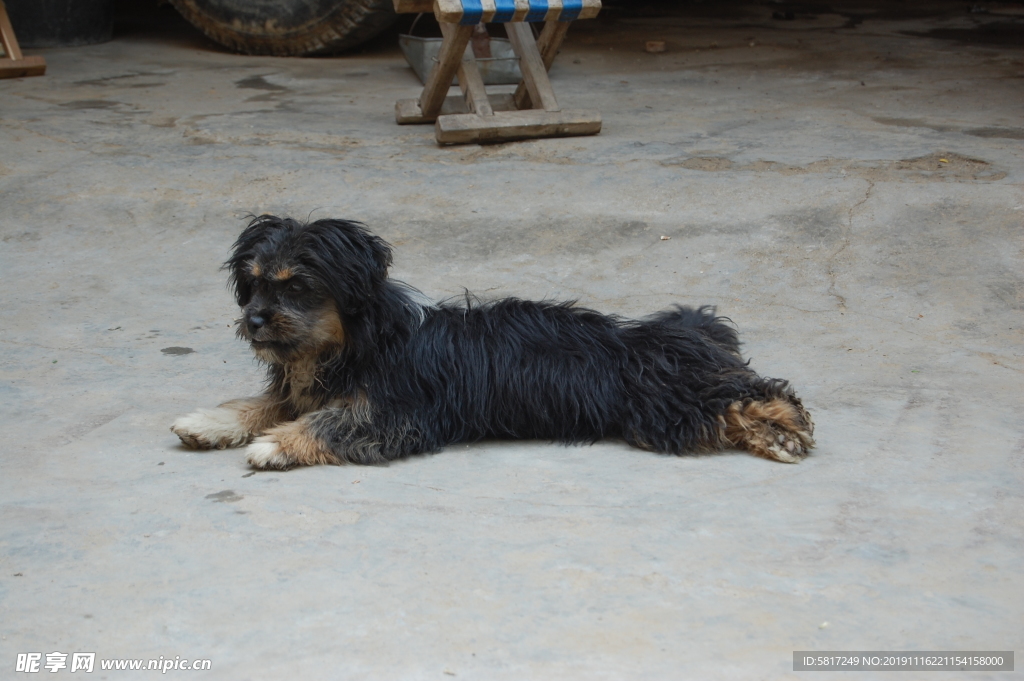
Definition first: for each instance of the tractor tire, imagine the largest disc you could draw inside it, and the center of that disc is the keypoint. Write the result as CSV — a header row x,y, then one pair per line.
x,y
287,28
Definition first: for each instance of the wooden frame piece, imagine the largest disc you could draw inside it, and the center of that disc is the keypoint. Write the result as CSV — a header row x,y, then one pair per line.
x,y
532,111
470,81
535,74
547,45
14,64
408,110
448,62
515,125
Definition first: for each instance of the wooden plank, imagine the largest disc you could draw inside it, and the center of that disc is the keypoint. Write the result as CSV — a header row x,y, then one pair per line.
x,y
470,82
15,64
515,125
7,37
20,68
413,6
407,111
550,41
591,8
522,9
535,76
473,88
448,11
554,10
547,44
448,62
488,7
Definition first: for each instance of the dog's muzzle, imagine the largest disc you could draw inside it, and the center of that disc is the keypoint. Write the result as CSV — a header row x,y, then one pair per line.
x,y
256,322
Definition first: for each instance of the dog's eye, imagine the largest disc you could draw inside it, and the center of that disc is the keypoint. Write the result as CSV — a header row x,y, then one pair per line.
x,y
296,287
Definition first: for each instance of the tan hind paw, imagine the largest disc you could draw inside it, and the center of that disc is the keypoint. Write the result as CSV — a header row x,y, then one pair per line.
x,y
779,429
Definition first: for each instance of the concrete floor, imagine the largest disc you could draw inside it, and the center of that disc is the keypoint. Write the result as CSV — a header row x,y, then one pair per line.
x,y
846,186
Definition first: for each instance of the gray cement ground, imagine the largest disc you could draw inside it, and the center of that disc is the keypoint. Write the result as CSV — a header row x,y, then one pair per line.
x,y
849,192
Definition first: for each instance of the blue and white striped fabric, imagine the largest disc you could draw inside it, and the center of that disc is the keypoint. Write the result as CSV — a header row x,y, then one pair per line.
x,y
500,11
504,10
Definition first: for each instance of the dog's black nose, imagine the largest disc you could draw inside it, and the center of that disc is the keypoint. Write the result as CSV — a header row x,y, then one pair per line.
x,y
256,322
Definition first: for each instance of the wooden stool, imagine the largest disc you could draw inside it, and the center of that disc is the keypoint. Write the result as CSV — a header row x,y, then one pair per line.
x,y
14,65
478,117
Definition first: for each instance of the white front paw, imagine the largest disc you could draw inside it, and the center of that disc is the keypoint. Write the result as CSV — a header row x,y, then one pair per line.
x,y
211,428
266,452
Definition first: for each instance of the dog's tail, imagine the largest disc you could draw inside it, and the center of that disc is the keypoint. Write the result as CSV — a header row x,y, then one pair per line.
x,y
718,330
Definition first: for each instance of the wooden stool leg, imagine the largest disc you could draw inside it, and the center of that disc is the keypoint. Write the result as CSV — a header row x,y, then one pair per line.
x,y
10,42
448,62
470,81
547,44
535,75
15,65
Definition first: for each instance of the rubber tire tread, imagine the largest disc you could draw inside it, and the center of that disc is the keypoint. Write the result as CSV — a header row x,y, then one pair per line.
x,y
346,24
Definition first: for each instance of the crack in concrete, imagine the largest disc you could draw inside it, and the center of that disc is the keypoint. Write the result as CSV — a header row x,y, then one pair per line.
x,y
936,167
857,313
845,238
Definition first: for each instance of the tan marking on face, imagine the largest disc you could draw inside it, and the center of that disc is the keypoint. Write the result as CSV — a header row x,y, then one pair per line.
x,y
300,369
328,329
777,429
283,274
254,269
300,446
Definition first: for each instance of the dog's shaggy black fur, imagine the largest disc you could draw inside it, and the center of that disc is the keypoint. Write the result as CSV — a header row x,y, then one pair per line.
x,y
361,371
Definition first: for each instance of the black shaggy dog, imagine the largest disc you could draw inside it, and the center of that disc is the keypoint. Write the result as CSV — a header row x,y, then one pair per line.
x,y
361,372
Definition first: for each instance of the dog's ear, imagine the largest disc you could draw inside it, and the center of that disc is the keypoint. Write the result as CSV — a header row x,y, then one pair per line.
x,y
348,261
259,231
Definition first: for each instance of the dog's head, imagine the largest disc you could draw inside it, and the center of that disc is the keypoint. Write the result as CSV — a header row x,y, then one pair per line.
x,y
297,283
